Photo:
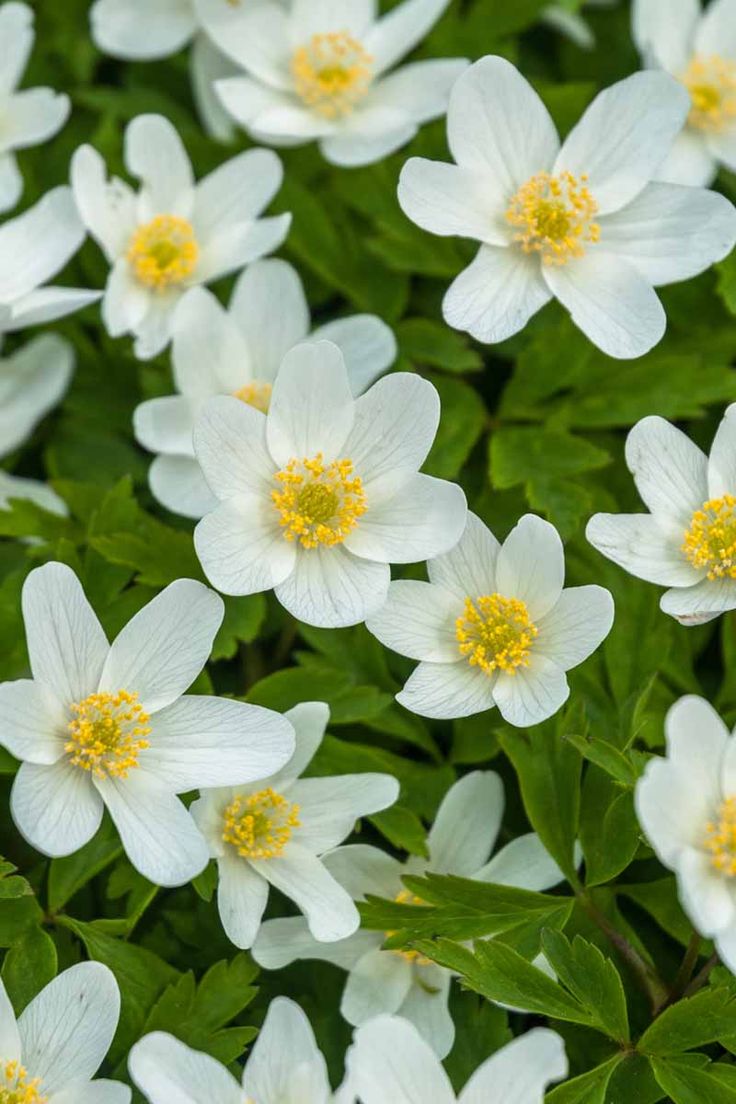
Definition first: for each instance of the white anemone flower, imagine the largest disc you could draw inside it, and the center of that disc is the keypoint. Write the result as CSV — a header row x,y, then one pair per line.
x,y
239,352
50,1054
284,1066
320,495
28,117
324,71
493,626
460,842
104,725
389,1061
581,222
687,541
175,233
699,49
686,805
276,832
33,379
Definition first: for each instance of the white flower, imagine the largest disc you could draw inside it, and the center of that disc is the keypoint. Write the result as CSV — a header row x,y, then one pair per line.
x,y
699,49
284,1066
321,72
35,246
29,117
239,352
572,24
33,379
274,834
106,726
581,223
174,234
54,1049
688,539
460,842
318,496
686,804
390,1062
493,626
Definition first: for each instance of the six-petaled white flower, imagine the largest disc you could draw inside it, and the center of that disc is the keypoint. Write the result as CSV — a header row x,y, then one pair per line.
x,y
323,71
460,842
50,1054
239,352
686,804
581,223
274,834
285,1066
389,1061
699,49
104,725
493,626
321,494
174,233
687,541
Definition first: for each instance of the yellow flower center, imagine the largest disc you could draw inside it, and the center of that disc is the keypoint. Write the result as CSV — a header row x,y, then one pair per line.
x,y
406,897
711,539
318,503
332,73
259,826
257,393
495,633
107,734
554,217
711,82
720,838
15,1087
164,252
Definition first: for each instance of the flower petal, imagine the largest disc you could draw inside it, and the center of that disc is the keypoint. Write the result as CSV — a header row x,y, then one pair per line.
x,y
55,808
32,381
423,518
646,546
367,345
99,1091
242,896
241,548
418,621
575,626
153,331
230,445
370,135
716,33
362,869
531,694
426,1008
285,1044
531,565
421,90
166,424
34,246
9,1037
309,720
722,460
672,815
690,161
663,31
330,807
331,588
260,43
237,191
34,116
466,825
108,210
16,43
310,17
447,690
135,30
163,1068
312,407
125,303
288,939
270,308
32,721
525,863
378,982
495,296
389,1060
11,182
178,484
698,760
209,353
300,875
519,1072
705,894
48,304
154,153
230,249
699,604
468,569
449,200
670,471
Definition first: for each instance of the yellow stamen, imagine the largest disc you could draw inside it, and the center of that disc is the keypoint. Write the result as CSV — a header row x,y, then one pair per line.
x,y
332,73
720,838
107,734
406,897
711,539
164,252
16,1088
495,633
711,82
259,826
553,216
318,503
257,393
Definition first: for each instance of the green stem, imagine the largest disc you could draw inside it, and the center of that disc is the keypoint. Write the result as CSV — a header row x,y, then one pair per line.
x,y
701,978
646,977
685,972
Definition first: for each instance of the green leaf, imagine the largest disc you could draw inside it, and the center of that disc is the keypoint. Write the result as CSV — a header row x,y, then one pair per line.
x,y
609,829
68,875
687,1083
520,453
690,1023
244,618
592,979
30,963
589,1088
426,342
463,420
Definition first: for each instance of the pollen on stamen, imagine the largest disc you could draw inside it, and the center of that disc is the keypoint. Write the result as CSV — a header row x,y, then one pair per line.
x,y
710,541
332,73
318,503
163,253
260,825
554,216
720,839
257,393
406,897
495,633
107,733
711,82
16,1087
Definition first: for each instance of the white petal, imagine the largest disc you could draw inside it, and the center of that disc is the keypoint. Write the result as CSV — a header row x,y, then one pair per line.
x,y
449,200
495,296
178,484
207,64
209,353
466,824
423,518
726,947
32,721
32,381
126,302
366,343
16,42
671,233
531,694
699,758
663,31
55,808
368,136
108,210
330,807
421,89
389,1060
283,941
153,331
519,1072
242,895
648,547
11,182
531,565
497,123
418,621
426,1008
99,1091
230,444
690,161
9,1037
331,588
231,248
670,472
397,33
378,982
309,720
575,626
166,424
166,1070
624,136
362,869
241,548
447,690
299,875
159,836
285,1043
309,17
33,116
32,490
247,99
270,308
37,244
716,32
722,146
163,648
312,407
611,302
524,863
671,813
260,43
237,191
701,603
201,742
722,460
469,569
137,30
66,644
47,304
705,894
155,154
